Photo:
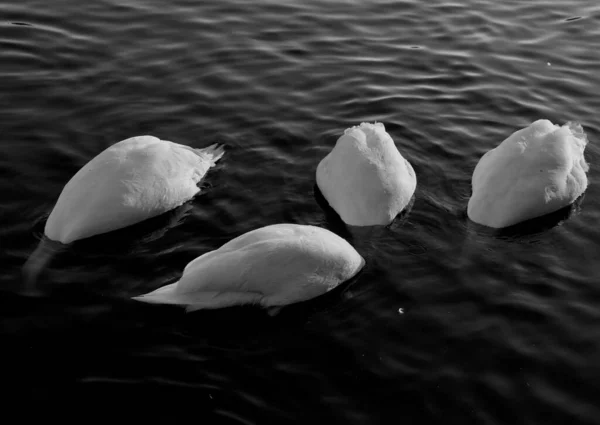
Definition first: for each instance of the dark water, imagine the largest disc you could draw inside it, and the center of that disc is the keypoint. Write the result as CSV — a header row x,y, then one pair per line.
x,y
497,329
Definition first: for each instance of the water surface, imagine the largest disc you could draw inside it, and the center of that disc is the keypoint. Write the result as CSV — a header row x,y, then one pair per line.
x,y
496,329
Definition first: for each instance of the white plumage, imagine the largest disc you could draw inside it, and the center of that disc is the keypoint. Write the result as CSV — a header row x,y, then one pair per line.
x,y
537,170
271,266
131,181
364,178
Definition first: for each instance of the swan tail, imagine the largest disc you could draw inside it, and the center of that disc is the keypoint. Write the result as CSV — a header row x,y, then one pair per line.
x,y
212,152
163,295
577,131
581,140
38,261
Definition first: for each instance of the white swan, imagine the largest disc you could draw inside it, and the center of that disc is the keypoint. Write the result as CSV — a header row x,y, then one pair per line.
x,y
364,178
272,266
131,181
535,171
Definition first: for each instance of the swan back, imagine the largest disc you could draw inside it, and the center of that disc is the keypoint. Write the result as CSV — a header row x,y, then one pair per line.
x,y
271,266
364,178
131,181
537,170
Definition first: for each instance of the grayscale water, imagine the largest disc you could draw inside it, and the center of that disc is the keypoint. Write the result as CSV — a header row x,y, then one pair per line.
x,y
496,328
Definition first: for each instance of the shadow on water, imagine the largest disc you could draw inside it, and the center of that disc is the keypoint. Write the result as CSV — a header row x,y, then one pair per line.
x,y
67,309
118,242
78,336
332,218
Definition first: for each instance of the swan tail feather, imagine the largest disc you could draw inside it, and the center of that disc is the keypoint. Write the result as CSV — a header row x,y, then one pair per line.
x,y
213,152
163,295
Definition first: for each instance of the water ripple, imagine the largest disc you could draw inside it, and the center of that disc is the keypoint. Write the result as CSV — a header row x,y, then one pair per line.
x,y
449,319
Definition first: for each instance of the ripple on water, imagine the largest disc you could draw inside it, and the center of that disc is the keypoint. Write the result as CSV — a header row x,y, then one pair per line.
x,y
495,328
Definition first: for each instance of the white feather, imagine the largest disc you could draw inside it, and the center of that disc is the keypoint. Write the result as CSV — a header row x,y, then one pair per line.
x,y
537,170
129,182
364,178
271,266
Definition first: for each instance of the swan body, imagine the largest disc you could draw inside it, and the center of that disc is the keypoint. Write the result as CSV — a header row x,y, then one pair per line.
x,y
131,181
364,178
271,266
537,170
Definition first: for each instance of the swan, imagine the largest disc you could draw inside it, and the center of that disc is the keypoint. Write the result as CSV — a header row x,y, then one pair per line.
x,y
131,181
535,171
364,178
271,267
